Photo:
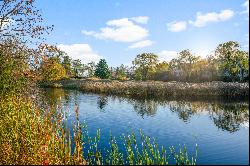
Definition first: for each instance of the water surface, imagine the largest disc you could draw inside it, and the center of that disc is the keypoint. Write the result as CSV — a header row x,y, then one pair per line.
x,y
221,129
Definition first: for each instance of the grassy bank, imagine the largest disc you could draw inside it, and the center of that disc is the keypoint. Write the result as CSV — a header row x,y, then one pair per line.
x,y
156,88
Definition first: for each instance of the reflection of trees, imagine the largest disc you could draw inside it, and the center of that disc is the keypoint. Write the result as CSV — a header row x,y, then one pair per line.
x,y
226,116
184,110
75,96
55,96
145,107
102,102
229,117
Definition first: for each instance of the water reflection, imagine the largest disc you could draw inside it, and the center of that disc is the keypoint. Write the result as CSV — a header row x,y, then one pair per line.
x,y
145,107
230,117
227,116
53,96
102,101
183,109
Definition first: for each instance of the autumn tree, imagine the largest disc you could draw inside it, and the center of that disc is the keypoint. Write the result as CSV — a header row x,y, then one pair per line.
x,y
15,72
52,70
51,67
20,19
21,26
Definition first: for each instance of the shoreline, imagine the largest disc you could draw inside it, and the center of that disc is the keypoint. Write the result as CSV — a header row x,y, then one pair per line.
x,y
156,89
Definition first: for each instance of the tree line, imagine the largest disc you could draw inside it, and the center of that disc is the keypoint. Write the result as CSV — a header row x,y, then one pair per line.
x,y
228,63
25,57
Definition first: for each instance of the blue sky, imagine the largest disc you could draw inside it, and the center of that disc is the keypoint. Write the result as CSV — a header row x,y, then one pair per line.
x,y
118,30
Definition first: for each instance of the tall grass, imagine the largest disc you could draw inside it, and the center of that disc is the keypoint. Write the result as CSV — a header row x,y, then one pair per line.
x,y
30,135
157,88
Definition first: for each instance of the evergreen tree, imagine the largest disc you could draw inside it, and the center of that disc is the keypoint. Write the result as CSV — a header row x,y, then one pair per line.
x,y
102,69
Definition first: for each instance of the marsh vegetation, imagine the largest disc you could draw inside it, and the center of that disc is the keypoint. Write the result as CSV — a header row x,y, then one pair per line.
x,y
33,131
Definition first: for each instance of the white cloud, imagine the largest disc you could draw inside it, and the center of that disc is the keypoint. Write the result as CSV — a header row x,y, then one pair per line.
x,y
80,51
177,26
141,44
246,5
124,22
166,55
141,19
120,30
204,19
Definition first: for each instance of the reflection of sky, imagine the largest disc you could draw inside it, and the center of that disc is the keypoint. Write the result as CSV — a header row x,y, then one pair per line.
x,y
169,127
245,124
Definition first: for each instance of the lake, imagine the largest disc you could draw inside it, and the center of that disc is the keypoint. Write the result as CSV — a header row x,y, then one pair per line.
x,y
220,128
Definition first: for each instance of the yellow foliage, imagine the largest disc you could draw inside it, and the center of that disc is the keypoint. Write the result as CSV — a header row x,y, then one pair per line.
x,y
52,70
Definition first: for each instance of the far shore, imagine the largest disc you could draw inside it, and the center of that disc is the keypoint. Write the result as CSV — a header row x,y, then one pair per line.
x,y
141,89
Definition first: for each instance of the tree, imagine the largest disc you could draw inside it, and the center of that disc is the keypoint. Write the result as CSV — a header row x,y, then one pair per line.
x,y
67,64
52,70
51,67
213,67
200,71
121,73
186,60
77,67
244,65
21,20
145,65
102,69
15,71
21,27
233,62
90,67
162,70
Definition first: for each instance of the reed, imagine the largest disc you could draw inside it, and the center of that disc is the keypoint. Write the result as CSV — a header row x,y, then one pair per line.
x,y
31,135
157,88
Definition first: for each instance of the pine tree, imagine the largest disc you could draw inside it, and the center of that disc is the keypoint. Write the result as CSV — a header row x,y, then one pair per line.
x,y
102,69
